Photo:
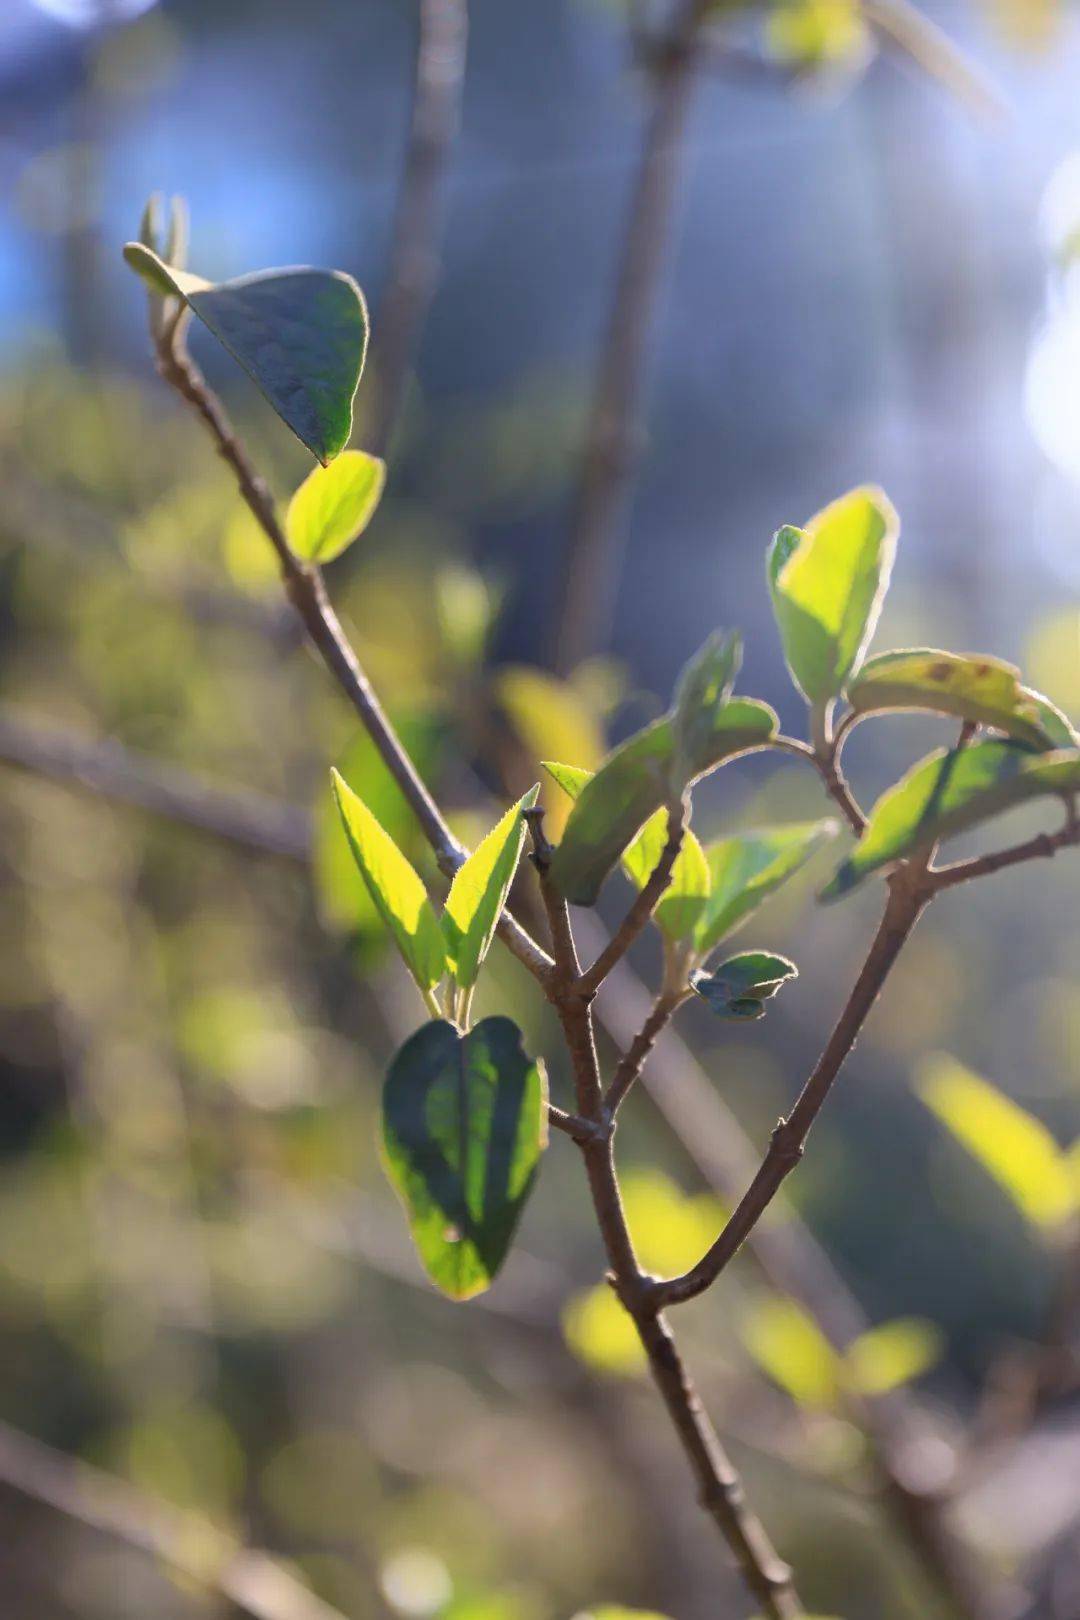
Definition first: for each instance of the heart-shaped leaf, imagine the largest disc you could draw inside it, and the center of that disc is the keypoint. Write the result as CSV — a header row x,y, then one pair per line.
x,y
948,792
300,334
478,893
464,1124
828,581
640,778
746,869
334,505
684,897
398,893
740,987
986,691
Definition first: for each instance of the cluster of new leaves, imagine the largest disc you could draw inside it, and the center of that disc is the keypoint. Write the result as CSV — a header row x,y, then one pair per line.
x,y
465,1108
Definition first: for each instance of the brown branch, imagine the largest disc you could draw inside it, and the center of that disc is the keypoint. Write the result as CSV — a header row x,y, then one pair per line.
x,y
827,765
249,1580
1042,847
902,911
614,431
721,1491
307,593
442,28
641,910
630,1065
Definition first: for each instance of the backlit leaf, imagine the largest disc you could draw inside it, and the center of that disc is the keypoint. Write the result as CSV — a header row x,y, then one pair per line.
x,y
828,581
702,689
892,1354
787,1344
334,505
683,899
746,869
478,893
397,891
948,792
464,1124
300,334
986,691
1012,1146
740,987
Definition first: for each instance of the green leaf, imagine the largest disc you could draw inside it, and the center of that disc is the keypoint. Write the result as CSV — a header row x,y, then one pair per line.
x,y
478,893
828,582
681,906
740,987
892,1354
637,780
464,1124
1012,1146
948,792
301,336
986,691
787,1344
702,690
334,505
746,869
397,891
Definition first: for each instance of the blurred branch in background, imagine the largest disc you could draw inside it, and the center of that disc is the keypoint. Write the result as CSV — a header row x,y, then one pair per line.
x,y
412,272
250,1581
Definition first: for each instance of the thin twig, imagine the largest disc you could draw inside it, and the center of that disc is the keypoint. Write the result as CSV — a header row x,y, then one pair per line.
x,y
249,1580
442,28
902,911
644,904
1042,847
630,1065
614,431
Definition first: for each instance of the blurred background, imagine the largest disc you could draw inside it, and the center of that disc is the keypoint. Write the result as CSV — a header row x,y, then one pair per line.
x,y
213,1333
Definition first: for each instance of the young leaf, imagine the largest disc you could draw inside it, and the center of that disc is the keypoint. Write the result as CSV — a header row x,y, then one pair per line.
x,y
478,893
1012,1146
892,1354
334,505
828,582
301,336
684,897
464,1124
948,792
702,689
745,869
640,778
740,987
986,691
397,891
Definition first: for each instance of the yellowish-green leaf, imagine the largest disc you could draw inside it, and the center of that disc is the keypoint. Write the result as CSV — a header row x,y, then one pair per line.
x,y
828,581
948,792
986,691
892,1354
818,34
478,893
334,505
1012,1146
601,1332
553,720
787,1344
397,891
681,905
746,869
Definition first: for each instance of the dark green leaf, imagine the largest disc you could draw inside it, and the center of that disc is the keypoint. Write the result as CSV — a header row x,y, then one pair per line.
x,y
301,335
828,581
948,792
986,691
464,1124
745,869
740,987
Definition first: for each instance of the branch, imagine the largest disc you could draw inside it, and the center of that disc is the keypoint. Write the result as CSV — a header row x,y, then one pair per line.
x,y
640,912
442,28
305,589
633,1059
613,436
249,1580
902,911
1042,846
827,765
